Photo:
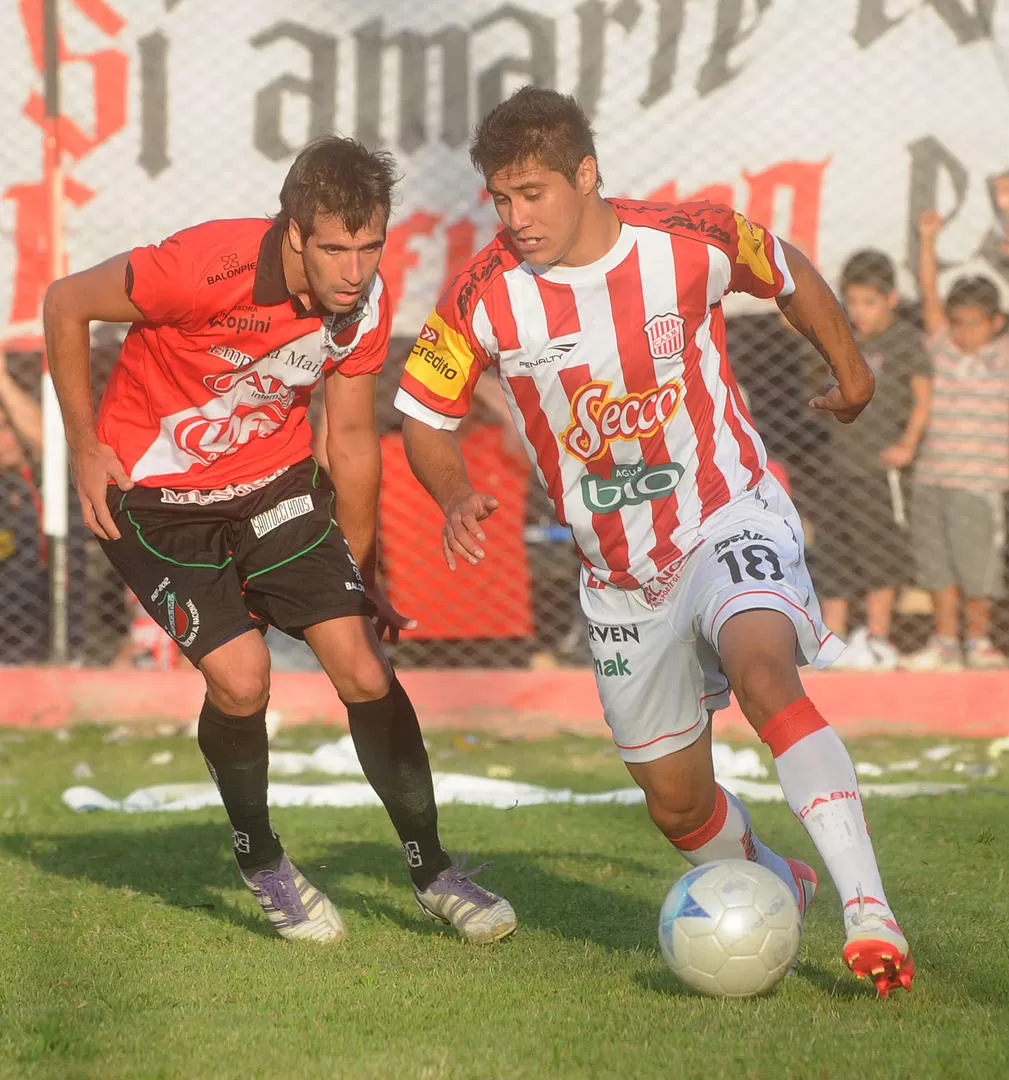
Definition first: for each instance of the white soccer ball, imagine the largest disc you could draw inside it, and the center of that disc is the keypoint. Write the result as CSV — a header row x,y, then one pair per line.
x,y
730,928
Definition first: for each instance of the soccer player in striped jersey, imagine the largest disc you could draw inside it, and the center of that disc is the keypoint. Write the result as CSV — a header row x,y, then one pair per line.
x,y
603,320
199,482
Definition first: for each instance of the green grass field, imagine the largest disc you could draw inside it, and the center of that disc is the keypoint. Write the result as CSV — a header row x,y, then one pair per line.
x,y
130,949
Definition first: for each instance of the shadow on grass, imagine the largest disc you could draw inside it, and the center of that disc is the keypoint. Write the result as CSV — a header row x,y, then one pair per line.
x,y
186,866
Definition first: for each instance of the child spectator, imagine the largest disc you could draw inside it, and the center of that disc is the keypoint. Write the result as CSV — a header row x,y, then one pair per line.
x,y
962,472
861,538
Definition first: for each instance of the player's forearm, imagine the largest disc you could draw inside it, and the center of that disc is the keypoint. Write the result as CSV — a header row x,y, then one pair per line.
x,y
355,466
25,415
437,462
68,351
814,311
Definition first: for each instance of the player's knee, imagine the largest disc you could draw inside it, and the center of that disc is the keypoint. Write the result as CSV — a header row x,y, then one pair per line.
x,y
240,693
677,813
366,682
765,685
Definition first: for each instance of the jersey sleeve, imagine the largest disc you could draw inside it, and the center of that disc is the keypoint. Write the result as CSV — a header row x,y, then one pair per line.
x,y
160,280
444,365
754,260
370,340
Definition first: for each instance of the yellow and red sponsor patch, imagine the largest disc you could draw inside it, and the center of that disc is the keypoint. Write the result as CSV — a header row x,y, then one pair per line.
x,y
441,359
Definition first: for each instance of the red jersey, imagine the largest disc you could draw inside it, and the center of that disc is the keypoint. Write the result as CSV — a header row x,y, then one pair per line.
x,y
616,374
213,388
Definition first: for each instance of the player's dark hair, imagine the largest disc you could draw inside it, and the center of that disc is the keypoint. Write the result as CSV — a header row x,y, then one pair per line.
x,y
976,292
872,268
534,124
337,178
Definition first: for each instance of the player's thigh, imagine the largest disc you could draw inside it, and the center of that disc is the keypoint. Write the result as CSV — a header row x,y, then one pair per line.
x,y
296,568
930,540
350,654
177,561
656,689
977,542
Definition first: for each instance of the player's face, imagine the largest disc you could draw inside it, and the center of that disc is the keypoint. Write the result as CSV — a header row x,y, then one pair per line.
x,y
542,209
339,265
971,328
869,310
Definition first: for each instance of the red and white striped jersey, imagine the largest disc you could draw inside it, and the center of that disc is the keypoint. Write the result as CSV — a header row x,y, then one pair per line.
x,y
616,374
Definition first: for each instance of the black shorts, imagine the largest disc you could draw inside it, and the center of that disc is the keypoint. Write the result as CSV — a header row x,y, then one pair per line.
x,y
207,571
859,543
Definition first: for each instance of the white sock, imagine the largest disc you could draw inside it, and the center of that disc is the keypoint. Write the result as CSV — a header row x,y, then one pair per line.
x,y
818,779
728,834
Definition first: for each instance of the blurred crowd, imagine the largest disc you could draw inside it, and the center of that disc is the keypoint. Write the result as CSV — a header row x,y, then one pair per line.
x,y
904,511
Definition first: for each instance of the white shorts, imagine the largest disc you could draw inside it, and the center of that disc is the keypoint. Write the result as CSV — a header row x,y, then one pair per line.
x,y
654,649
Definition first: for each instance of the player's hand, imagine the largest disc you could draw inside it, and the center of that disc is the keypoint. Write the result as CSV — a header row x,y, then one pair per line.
x,y
462,535
929,224
833,400
898,456
387,620
93,468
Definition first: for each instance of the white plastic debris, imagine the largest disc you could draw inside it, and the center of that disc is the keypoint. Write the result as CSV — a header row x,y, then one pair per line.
x,y
998,747
867,768
162,757
82,771
938,753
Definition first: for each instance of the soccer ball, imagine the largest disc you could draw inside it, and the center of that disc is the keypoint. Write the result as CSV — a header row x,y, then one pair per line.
x,y
730,928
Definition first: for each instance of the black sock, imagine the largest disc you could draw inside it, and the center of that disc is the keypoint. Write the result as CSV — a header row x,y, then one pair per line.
x,y
237,754
391,751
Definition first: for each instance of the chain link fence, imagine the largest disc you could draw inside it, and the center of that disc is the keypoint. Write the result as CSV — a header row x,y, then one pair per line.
x,y
834,124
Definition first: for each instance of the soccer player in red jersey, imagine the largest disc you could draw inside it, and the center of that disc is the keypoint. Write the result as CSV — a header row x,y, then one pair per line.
x,y
199,483
603,320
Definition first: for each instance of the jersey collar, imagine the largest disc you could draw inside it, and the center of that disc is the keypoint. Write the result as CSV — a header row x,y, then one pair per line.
x,y
270,286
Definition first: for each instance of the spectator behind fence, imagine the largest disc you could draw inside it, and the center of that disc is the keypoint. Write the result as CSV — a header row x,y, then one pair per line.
x,y
23,583
962,472
862,541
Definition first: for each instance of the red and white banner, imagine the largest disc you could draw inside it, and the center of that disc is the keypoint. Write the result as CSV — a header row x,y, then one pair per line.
x,y
832,123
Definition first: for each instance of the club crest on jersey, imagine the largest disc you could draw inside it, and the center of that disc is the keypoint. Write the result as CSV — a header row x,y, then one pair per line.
x,y
598,419
665,336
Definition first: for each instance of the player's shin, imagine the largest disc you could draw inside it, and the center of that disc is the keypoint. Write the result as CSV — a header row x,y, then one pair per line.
x,y
391,751
819,783
237,753
728,834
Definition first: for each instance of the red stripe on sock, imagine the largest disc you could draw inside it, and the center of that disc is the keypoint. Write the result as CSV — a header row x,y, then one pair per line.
x,y
793,723
709,830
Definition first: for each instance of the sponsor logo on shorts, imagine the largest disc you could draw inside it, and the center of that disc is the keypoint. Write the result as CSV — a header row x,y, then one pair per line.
x,y
181,618
171,497
280,514
629,485
597,420
746,534
615,668
600,633
353,586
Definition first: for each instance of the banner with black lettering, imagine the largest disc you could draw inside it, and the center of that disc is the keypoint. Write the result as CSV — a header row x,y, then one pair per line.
x,y
833,123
